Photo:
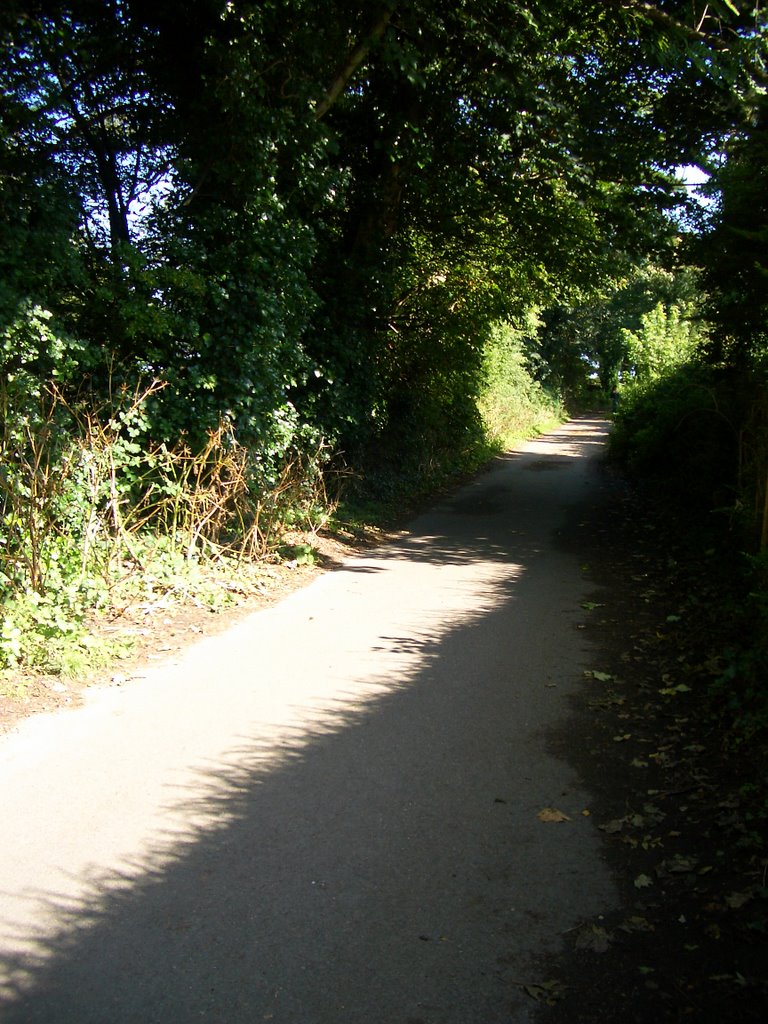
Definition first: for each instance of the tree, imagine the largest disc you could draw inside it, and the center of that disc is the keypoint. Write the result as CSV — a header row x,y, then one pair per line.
x,y
618,331
665,341
734,247
309,223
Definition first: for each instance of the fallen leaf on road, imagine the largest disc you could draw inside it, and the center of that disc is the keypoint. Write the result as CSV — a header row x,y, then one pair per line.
x,y
552,814
672,691
593,938
605,703
737,899
643,882
549,992
611,827
636,924
678,865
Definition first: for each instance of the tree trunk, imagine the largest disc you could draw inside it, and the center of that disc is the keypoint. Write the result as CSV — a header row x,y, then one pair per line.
x,y
119,231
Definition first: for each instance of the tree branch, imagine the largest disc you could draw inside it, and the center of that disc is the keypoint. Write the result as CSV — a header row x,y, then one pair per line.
x,y
355,58
670,22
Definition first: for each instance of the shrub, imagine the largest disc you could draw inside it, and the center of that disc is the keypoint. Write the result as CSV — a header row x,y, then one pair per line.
x,y
95,515
682,433
512,403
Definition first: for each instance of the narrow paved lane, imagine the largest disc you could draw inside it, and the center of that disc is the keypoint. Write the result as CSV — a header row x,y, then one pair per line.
x,y
328,815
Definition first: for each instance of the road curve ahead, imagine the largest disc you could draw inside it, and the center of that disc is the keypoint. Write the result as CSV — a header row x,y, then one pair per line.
x,y
330,813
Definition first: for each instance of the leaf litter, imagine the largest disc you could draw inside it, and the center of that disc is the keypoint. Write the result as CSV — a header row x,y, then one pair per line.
x,y
552,814
687,841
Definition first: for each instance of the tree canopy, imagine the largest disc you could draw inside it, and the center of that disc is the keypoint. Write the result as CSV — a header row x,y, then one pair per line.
x,y
245,244
306,218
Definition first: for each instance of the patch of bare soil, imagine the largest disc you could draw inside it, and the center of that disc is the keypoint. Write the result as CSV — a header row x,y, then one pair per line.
x,y
677,809
157,630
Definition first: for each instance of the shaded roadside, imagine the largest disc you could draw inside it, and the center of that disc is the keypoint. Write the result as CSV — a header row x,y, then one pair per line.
x,y
689,855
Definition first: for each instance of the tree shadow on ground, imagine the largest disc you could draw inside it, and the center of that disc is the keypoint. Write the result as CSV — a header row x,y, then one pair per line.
x,y
382,860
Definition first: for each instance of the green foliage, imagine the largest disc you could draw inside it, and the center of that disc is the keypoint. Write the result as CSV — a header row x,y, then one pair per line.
x,y
681,431
32,351
512,403
666,340
50,633
699,434
733,246
95,517
298,554
302,224
650,316
267,238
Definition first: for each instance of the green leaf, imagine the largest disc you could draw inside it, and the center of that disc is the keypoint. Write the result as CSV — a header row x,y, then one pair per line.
x,y
673,691
601,677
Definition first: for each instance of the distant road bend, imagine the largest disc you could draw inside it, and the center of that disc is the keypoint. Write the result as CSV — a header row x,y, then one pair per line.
x,y
330,813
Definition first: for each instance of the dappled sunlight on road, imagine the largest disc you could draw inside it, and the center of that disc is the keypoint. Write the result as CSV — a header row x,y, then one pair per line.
x,y
581,435
298,674
339,793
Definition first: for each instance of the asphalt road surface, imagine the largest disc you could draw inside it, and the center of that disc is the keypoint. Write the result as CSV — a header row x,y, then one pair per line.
x,y
331,813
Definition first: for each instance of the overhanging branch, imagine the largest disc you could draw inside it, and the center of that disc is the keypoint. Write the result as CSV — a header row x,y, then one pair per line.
x,y
660,17
353,61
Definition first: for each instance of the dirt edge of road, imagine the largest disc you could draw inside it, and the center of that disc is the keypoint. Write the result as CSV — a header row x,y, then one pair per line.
x,y
160,631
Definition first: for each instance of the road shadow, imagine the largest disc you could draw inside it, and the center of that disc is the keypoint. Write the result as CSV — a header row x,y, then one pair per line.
x,y
382,861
